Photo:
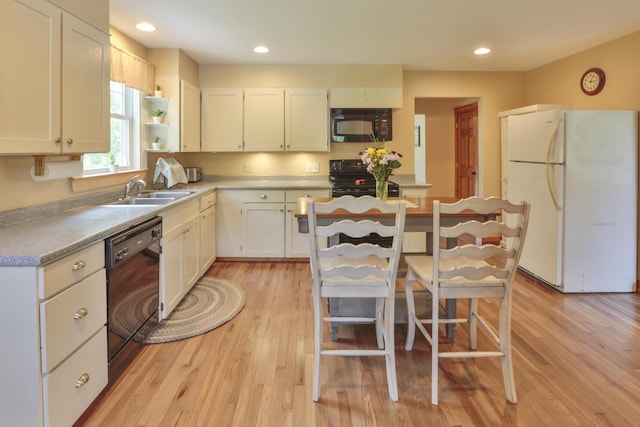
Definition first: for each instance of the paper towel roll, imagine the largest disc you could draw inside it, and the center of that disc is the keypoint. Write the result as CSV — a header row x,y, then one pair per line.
x,y
58,170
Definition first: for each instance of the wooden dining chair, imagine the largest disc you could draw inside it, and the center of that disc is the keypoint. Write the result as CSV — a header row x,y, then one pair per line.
x,y
472,271
356,270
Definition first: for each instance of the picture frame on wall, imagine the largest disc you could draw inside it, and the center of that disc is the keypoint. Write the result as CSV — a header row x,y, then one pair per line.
x,y
416,136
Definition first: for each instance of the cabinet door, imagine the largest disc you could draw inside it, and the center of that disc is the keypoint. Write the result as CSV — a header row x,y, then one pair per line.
x,y
191,254
85,86
414,241
207,238
296,243
229,223
222,120
264,120
306,120
171,271
263,230
30,32
189,117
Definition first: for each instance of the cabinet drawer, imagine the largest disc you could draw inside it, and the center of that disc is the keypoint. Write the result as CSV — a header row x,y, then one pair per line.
x,y
177,216
414,192
65,395
71,317
263,196
207,201
293,195
71,269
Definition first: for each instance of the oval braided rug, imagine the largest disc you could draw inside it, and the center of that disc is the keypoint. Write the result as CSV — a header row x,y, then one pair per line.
x,y
210,303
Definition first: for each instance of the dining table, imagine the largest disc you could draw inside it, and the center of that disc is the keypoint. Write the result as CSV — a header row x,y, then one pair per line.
x,y
419,218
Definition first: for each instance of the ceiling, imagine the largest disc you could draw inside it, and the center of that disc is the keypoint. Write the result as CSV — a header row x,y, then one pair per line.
x,y
418,34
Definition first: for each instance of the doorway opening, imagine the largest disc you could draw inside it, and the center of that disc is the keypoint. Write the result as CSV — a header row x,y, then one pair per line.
x,y
438,154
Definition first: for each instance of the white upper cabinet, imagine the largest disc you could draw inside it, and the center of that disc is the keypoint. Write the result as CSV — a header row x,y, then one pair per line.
x,y
189,116
264,120
180,127
273,119
306,120
85,87
54,81
222,120
366,97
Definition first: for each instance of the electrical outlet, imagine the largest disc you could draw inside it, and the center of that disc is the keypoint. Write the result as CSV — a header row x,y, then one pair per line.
x,y
247,168
312,167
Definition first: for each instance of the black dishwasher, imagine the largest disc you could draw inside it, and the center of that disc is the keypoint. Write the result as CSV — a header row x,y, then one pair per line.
x,y
133,289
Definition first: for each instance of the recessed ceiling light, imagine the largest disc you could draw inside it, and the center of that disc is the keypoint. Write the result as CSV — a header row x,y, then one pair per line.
x,y
482,51
261,49
146,27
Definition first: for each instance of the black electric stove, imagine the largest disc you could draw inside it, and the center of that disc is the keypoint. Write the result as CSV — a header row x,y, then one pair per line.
x,y
350,177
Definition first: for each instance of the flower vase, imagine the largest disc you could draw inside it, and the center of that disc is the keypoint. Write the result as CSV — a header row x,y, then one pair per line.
x,y
382,189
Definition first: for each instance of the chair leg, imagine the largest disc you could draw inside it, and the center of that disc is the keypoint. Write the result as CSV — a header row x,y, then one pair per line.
x,y
435,311
390,348
473,323
505,346
380,307
411,310
317,344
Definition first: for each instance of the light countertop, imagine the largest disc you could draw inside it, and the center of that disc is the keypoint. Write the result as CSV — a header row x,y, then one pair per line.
x,y
56,230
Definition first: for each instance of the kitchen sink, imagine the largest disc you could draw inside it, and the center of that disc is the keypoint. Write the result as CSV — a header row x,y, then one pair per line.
x,y
149,198
163,194
143,201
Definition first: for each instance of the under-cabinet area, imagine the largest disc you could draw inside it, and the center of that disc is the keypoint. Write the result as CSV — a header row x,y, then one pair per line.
x,y
261,223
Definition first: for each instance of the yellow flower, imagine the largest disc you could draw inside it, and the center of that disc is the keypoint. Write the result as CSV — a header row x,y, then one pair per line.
x,y
380,162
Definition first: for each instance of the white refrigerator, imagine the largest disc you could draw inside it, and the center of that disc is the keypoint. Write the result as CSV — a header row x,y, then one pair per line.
x,y
578,169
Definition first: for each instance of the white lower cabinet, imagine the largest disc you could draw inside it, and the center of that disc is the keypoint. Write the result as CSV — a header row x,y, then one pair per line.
x,y
229,223
297,244
261,223
71,388
54,340
414,241
179,260
207,231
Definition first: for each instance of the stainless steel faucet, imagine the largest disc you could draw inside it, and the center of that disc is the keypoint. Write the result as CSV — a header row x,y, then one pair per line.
x,y
136,181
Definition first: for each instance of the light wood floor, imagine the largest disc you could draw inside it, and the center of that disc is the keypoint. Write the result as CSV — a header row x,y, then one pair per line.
x,y
575,359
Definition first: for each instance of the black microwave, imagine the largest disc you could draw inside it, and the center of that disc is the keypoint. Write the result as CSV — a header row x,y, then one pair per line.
x,y
361,124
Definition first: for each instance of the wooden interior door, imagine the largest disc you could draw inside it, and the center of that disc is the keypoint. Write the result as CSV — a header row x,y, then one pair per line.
x,y
466,121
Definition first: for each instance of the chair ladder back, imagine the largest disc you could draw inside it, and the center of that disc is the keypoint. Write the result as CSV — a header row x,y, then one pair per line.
x,y
476,229
356,270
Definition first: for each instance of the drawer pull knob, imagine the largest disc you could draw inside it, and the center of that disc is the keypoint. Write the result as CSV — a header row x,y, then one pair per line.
x,y
84,378
263,196
78,265
81,313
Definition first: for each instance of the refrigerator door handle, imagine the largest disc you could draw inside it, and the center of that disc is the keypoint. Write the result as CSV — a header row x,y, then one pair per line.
x,y
550,145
